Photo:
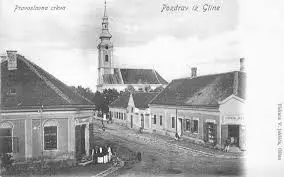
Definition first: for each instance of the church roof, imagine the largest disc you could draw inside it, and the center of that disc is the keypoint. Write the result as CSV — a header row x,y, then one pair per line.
x,y
34,87
205,90
141,76
134,76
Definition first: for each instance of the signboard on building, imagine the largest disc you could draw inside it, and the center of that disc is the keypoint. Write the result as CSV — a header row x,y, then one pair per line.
x,y
233,119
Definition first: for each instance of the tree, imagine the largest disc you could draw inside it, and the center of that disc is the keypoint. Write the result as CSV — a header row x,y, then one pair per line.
x,y
86,92
104,99
158,89
148,88
130,88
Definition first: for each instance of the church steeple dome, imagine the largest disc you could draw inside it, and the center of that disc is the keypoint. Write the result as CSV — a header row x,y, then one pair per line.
x,y
105,32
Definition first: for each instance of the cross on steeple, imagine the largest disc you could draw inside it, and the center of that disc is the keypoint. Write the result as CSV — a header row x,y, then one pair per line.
x,y
105,14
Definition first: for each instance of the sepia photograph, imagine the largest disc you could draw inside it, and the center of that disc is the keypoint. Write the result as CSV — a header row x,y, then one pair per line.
x,y
133,88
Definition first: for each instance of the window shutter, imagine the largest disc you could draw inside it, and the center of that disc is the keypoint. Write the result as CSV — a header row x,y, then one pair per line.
x,y
215,133
15,144
205,130
191,125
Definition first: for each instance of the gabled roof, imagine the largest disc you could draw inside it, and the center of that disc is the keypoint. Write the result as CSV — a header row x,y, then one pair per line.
x,y
141,100
35,87
134,76
205,90
121,101
141,76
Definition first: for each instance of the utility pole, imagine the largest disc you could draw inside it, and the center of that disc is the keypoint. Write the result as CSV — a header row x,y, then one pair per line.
x,y
41,136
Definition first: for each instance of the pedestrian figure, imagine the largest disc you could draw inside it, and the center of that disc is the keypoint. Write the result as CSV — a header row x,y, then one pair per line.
x,y
109,154
95,155
100,155
139,157
227,145
176,136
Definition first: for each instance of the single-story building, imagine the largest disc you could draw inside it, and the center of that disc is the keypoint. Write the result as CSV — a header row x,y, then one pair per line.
x,y
207,108
131,109
40,115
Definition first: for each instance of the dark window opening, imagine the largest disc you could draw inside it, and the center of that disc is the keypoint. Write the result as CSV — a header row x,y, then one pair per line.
x,y
195,126
161,120
154,119
173,122
187,125
50,138
106,58
106,47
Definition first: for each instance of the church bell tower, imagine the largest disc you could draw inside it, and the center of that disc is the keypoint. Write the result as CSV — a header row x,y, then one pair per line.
x,y
105,49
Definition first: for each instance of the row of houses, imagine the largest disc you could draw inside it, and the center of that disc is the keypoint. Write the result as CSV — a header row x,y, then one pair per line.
x,y
206,109
40,115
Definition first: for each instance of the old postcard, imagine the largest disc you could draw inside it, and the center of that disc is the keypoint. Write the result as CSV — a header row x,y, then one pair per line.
x,y
141,88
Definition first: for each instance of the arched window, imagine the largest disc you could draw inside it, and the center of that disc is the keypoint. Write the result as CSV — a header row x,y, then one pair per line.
x,y
50,135
6,137
106,58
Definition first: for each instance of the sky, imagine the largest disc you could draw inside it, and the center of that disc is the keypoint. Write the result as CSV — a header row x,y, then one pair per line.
x,y
64,42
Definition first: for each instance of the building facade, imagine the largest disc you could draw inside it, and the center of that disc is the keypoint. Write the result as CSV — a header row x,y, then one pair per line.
x,y
131,110
40,115
206,109
111,77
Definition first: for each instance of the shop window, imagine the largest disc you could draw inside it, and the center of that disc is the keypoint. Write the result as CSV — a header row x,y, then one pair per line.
x,y
173,122
161,120
50,135
154,119
195,126
187,125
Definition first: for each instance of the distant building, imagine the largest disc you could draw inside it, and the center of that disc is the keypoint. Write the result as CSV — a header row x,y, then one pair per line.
x,y
40,115
131,109
208,108
120,78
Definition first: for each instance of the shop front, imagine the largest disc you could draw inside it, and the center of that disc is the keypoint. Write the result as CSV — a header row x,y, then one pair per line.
x,y
233,128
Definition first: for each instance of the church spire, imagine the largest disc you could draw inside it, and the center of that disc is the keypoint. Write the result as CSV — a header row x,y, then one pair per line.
x,y
105,32
105,14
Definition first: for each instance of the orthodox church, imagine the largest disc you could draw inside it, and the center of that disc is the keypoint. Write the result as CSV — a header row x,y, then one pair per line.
x,y
121,78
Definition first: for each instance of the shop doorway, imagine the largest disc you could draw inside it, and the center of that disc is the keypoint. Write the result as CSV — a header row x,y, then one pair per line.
x,y
80,140
234,134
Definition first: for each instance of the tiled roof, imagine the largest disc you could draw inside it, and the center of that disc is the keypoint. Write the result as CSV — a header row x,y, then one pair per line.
x,y
205,90
113,78
141,76
35,87
121,101
141,99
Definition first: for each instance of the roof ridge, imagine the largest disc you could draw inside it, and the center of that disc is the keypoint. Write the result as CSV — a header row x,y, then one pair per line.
x,y
156,76
213,74
48,82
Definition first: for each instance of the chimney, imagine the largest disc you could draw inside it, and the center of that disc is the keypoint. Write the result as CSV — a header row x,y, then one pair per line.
x,y
12,59
242,64
193,71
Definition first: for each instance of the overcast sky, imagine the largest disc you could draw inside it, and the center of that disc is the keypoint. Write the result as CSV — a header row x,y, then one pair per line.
x,y
64,43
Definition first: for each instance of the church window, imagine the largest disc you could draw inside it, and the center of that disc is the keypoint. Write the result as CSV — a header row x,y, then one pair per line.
x,y
106,58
